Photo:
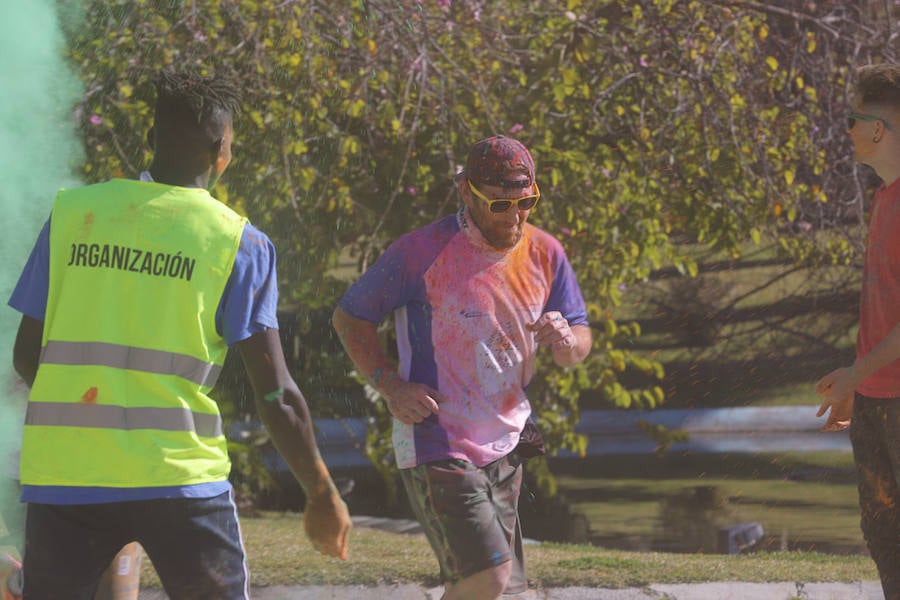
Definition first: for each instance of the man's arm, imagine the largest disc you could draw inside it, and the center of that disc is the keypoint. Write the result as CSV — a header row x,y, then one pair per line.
x,y
408,402
284,412
839,386
27,350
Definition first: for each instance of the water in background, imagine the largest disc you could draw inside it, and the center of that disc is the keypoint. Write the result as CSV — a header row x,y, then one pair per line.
x,y
38,150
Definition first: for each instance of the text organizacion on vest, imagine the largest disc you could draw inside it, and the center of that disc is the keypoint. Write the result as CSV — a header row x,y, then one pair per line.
x,y
161,264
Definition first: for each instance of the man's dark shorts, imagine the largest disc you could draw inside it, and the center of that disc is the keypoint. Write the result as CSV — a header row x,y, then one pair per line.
x,y
194,543
470,515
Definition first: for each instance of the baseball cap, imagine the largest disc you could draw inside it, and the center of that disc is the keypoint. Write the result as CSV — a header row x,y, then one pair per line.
x,y
499,161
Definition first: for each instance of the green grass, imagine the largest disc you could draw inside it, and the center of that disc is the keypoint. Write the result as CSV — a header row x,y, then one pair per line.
x,y
279,554
789,394
622,497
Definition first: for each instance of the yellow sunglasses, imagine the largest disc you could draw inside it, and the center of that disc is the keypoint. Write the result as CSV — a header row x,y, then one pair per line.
x,y
501,205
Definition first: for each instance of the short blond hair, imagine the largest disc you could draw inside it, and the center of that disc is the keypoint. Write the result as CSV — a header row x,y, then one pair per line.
x,y
879,85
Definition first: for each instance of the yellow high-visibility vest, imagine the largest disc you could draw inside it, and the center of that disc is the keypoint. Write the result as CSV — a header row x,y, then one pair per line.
x,y
130,348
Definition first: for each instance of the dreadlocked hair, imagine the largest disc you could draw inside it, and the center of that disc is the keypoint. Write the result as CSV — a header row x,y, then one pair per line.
x,y
203,95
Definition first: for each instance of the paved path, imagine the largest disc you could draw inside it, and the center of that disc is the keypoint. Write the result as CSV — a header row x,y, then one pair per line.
x,y
728,590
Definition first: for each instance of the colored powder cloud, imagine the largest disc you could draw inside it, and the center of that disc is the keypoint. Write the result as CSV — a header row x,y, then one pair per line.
x,y
38,149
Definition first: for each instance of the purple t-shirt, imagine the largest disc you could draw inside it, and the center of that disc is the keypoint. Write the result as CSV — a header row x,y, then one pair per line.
x,y
248,305
462,310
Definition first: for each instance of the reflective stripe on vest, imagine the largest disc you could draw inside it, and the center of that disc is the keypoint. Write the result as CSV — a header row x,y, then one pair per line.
x,y
66,414
128,357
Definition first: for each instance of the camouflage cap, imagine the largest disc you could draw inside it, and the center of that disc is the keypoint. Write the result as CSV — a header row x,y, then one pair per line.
x,y
499,161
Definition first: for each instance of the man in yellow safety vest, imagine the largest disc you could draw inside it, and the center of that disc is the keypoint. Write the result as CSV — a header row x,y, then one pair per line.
x,y
131,298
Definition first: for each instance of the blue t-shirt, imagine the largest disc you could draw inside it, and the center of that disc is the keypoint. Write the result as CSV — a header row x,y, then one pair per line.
x,y
248,306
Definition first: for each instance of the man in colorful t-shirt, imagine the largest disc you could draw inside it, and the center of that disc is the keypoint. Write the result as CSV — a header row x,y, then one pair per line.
x,y
869,390
473,295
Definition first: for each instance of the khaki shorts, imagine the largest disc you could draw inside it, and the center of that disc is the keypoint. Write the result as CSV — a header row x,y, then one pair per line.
x,y
470,515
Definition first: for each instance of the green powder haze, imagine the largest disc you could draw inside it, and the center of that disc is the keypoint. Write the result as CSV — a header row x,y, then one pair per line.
x,y
39,149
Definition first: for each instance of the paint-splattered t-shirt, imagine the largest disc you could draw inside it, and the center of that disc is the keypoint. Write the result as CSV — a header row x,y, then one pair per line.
x,y
880,299
462,311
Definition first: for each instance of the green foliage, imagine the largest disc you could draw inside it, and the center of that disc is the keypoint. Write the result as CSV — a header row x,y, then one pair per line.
x,y
652,123
252,478
378,445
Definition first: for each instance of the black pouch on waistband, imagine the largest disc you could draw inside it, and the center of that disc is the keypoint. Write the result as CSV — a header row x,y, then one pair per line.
x,y
531,442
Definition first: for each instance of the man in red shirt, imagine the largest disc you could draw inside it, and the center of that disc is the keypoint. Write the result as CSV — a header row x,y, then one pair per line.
x,y
866,395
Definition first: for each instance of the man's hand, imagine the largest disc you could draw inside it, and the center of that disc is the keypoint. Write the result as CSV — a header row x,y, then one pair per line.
x,y
552,330
410,402
837,388
327,523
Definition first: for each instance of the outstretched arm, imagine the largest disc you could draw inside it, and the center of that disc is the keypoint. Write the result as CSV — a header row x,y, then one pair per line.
x,y
284,412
